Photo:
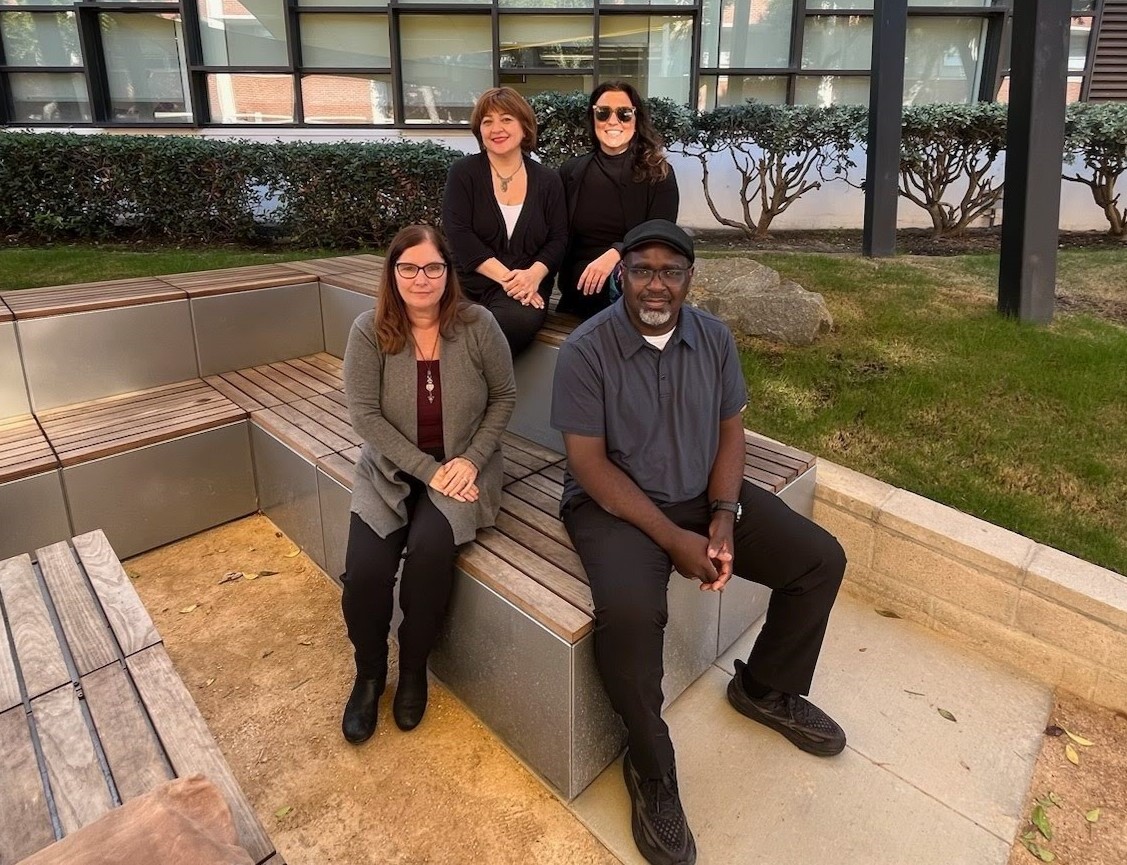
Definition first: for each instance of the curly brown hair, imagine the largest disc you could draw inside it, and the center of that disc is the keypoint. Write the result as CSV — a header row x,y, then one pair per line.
x,y
650,163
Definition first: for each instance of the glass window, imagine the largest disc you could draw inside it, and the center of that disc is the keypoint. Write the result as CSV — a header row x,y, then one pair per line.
x,y
49,97
837,42
717,90
652,52
250,98
347,99
1079,34
313,4
457,2
746,33
545,4
36,2
233,35
447,63
40,39
547,41
647,2
530,85
145,66
334,41
827,90
944,59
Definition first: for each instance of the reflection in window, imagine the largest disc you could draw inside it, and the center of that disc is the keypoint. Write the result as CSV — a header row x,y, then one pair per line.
x,y
145,66
49,97
837,42
250,98
529,85
1079,35
651,52
347,99
943,59
40,39
237,35
825,90
547,42
746,33
717,90
341,41
447,63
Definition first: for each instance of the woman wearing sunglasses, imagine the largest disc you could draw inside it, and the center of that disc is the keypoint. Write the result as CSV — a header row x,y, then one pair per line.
x,y
429,384
624,181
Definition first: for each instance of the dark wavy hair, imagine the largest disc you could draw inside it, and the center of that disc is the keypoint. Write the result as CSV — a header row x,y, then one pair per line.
x,y
650,163
393,328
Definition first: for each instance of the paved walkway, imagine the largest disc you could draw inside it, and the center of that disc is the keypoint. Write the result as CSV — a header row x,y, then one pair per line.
x,y
912,788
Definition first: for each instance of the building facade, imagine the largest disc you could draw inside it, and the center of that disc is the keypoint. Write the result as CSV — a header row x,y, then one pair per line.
x,y
419,64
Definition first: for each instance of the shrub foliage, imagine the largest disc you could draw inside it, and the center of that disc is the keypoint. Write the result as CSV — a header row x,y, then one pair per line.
x,y
1097,133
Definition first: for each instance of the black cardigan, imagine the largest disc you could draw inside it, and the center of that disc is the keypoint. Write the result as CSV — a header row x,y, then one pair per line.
x,y
474,225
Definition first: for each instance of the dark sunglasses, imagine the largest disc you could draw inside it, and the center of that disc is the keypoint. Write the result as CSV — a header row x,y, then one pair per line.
x,y
603,113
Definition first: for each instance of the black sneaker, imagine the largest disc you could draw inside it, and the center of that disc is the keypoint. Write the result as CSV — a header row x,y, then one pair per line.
x,y
798,719
660,828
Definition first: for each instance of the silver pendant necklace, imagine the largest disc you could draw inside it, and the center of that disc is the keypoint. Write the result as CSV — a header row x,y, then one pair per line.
x,y
427,361
505,181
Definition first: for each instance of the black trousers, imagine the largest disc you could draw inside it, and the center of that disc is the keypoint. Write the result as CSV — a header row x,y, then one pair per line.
x,y
371,563
518,322
801,562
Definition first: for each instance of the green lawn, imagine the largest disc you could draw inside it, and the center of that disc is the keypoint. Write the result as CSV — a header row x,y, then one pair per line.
x,y
921,384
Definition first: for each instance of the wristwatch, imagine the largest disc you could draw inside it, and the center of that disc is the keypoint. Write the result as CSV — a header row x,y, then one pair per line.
x,y
735,507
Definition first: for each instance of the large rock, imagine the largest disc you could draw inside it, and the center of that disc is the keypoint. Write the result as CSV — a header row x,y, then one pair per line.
x,y
755,301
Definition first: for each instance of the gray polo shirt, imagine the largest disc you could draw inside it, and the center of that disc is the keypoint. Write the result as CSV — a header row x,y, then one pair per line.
x,y
659,411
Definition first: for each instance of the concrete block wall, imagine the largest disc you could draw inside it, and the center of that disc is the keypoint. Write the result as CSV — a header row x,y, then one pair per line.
x,y
1055,617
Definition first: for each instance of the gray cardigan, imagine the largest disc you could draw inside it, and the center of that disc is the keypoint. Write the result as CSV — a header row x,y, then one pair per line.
x,y
478,396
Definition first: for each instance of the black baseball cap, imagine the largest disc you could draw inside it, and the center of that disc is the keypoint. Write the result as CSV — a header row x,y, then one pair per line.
x,y
659,231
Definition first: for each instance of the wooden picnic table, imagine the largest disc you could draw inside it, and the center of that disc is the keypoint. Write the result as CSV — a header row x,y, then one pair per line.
x,y
92,712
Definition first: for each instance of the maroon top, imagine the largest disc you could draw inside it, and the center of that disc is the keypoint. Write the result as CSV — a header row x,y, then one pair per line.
x,y
430,412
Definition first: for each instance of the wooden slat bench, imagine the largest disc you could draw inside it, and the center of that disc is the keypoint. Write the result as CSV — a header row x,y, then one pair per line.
x,y
92,713
155,465
268,385
32,507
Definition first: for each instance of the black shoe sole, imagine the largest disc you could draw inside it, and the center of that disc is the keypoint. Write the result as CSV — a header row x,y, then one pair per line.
x,y
654,857
742,704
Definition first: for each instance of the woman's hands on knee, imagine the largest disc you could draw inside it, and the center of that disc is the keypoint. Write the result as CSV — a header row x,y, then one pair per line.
x,y
456,478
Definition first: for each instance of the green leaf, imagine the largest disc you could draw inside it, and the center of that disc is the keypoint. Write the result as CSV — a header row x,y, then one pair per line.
x,y
1092,816
1037,850
1041,821
283,811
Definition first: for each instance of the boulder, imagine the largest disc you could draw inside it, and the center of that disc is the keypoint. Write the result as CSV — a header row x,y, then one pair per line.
x,y
753,300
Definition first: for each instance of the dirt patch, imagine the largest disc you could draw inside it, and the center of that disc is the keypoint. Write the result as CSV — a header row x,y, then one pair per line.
x,y
267,661
1081,835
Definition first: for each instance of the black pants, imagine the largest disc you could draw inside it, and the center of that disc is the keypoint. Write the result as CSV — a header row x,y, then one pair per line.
x,y
371,563
518,322
575,302
801,562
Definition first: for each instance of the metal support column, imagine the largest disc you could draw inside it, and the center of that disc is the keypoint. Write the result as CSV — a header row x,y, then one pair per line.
x,y
886,103
1034,148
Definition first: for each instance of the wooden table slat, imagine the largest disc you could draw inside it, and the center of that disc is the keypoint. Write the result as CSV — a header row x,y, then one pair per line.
x,y
91,644
77,784
132,749
25,819
37,646
127,616
189,743
556,580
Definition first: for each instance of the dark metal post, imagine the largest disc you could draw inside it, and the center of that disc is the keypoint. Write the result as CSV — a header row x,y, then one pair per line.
x,y
886,104
1034,150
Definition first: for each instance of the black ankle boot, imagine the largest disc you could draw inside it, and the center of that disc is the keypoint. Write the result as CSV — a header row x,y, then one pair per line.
x,y
410,699
359,722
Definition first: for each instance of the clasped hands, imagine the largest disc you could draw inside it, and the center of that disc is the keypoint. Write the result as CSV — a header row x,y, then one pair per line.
x,y
456,478
706,559
524,285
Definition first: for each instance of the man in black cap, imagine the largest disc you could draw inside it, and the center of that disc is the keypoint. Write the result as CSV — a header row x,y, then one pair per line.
x,y
648,395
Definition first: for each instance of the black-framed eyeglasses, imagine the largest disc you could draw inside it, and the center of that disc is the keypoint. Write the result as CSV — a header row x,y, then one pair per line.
x,y
409,271
671,277
603,113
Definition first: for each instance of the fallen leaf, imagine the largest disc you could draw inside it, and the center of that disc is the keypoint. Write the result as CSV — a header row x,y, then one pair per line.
x,y
188,609
296,552
862,649
1041,821
947,715
1055,799
231,576
283,811
1038,851
1054,730
252,576
266,653
1093,815
1079,740
267,573
1071,754
888,614
209,682
304,641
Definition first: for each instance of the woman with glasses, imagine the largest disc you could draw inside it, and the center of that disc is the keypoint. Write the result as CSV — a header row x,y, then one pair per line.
x,y
505,217
624,181
429,385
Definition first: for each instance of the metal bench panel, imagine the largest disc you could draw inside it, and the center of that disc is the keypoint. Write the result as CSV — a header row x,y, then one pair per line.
x,y
339,308
287,492
33,513
13,390
248,328
535,371
84,356
335,501
163,492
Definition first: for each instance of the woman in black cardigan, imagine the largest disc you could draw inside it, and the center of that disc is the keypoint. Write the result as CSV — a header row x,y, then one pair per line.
x,y
624,181
505,217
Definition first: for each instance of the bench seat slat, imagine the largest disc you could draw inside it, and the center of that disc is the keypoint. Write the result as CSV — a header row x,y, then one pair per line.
x,y
9,682
328,414
534,497
126,413
91,643
203,283
290,434
329,266
540,543
110,294
138,400
332,378
358,281
24,450
533,449
296,415
340,468
37,646
128,618
556,580
315,383
546,523
25,821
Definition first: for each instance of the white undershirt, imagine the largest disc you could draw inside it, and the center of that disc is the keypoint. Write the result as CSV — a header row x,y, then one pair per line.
x,y
511,213
658,342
